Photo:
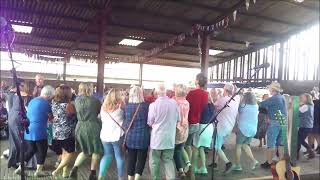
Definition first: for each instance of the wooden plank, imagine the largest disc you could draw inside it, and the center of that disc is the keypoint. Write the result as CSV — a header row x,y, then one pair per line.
x,y
294,129
204,57
101,58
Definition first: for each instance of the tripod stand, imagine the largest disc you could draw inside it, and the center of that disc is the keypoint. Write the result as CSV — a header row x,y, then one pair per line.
x,y
214,119
24,123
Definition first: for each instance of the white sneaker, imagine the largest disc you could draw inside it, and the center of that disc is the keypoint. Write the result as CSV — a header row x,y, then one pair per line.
x,y
255,165
18,170
40,174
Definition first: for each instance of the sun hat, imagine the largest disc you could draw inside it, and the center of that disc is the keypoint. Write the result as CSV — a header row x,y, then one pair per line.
x,y
275,86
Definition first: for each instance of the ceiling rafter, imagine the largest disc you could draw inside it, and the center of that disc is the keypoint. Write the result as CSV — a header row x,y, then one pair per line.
x,y
187,21
48,38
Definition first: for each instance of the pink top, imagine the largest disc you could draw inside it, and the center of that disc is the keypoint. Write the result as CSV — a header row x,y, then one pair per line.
x,y
182,125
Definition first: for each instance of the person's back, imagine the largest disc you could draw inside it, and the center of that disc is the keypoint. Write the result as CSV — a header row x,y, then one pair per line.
x,y
182,125
273,104
162,117
38,111
198,99
87,108
248,119
227,117
139,134
306,116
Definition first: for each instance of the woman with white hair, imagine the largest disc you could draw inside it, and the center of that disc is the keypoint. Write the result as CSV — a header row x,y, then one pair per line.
x,y
39,112
138,132
87,131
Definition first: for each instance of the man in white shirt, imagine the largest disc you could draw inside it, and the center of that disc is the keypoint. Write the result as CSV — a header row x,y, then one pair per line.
x,y
162,118
226,121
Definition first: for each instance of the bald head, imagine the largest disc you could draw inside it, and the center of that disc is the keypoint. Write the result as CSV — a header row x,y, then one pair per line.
x,y
161,90
39,80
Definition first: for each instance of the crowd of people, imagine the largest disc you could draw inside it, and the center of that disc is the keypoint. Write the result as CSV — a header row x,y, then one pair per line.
x,y
170,128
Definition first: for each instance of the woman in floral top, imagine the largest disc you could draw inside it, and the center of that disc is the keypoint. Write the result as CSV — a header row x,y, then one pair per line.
x,y
63,127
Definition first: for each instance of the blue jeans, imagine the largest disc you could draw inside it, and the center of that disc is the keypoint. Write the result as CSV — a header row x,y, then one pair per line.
x,y
111,148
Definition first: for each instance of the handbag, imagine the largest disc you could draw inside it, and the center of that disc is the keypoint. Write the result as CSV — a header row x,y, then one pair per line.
x,y
123,146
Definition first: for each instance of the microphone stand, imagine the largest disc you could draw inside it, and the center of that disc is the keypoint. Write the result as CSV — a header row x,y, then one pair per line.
x,y
214,120
24,123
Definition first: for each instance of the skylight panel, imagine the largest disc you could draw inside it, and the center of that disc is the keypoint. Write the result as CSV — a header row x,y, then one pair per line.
x,y
130,42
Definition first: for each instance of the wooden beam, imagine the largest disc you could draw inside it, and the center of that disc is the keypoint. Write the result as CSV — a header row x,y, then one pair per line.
x,y
99,16
27,12
48,38
275,40
122,57
280,68
253,32
189,22
140,74
101,57
301,5
240,13
204,57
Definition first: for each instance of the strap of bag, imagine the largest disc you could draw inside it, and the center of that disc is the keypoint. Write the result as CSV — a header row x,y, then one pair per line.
x,y
131,122
116,122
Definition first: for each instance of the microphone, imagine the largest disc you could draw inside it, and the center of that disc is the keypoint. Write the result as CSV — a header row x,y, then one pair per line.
x,y
264,65
6,31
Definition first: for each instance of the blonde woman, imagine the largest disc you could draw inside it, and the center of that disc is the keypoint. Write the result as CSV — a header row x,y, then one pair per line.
x,y
112,133
87,130
182,130
138,137
306,123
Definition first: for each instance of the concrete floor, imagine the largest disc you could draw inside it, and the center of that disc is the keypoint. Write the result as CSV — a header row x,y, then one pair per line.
x,y
310,168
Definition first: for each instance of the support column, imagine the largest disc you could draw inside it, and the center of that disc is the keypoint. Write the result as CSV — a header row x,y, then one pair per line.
x,y
64,75
101,57
140,74
281,59
204,56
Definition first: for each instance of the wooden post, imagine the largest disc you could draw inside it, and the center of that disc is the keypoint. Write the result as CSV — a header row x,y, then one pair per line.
x,y
280,68
204,58
294,129
64,75
140,74
101,57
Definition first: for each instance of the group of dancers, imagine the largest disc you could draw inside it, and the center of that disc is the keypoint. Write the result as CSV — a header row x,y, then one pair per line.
x,y
164,127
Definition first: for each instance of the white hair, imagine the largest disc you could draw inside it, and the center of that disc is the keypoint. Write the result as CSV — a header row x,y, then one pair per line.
x,y
135,94
228,87
161,90
47,92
